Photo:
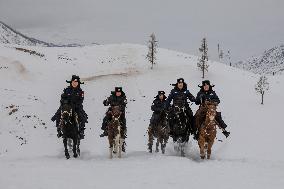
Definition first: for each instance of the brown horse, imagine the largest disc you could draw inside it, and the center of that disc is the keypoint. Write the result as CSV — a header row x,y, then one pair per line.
x,y
115,132
208,130
160,131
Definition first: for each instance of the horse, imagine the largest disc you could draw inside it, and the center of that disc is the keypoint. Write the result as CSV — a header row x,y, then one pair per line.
x,y
69,127
208,130
160,131
115,132
180,128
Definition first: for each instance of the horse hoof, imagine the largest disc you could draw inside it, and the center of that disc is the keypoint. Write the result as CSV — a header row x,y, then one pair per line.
x,y
67,156
75,155
202,157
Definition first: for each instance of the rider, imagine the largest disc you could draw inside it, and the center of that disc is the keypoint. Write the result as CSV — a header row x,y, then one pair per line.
x,y
179,95
158,106
206,93
75,95
117,98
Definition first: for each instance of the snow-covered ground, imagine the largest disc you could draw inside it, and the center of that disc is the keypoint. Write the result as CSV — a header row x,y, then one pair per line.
x,y
31,156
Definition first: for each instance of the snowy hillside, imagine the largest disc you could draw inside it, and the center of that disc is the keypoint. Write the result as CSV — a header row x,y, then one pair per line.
x,y
11,36
270,61
32,157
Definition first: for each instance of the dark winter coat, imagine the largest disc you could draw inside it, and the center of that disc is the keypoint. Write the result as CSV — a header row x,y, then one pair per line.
x,y
179,97
158,106
203,96
75,96
114,100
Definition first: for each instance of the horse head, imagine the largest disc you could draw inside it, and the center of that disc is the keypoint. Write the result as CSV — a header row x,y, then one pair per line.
x,y
116,112
66,112
211,110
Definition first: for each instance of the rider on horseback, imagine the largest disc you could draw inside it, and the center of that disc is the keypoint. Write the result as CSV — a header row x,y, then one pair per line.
x,y
157,107
75,96
159,116
117,98
179,95
206,93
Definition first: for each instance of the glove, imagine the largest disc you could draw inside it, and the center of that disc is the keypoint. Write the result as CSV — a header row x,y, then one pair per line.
x,y
81,136
226,133
59,134
53,118
105,102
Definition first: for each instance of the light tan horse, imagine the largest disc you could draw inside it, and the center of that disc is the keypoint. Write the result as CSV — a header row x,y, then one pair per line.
x,y
208,130
115,132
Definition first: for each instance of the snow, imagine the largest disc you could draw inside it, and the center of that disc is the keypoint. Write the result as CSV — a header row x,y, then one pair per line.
x,y
31,156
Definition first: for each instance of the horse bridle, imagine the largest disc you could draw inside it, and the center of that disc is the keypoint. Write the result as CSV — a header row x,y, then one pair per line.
x,y
68,113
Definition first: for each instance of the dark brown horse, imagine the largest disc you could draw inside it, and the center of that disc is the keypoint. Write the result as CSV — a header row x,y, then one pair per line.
x,y
115,132
69,128
208,130
160,131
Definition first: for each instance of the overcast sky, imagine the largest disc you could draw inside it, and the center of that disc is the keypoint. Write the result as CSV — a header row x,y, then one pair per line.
x,y
246,27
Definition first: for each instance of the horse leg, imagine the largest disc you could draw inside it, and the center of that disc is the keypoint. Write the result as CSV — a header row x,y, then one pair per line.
x,y
150,139
201,144
65,147
78,147
110,140
157,145
165,141
182,149
121,141
209,148
75,140
163,145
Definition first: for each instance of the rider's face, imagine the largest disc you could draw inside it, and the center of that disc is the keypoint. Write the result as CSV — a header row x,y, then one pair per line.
x,y
161,97
180,85
118,93
206,87
74,83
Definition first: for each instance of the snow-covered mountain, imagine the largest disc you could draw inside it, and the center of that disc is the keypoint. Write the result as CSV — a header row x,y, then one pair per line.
x,y
9,35
31,156
271,61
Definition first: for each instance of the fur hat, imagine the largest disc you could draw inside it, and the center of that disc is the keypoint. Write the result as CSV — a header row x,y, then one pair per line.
x,y
161,93
118,89
180,80
206,82
75,77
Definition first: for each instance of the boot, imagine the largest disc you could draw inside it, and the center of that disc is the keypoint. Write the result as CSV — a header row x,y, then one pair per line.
x,y
150,148
59,133
81,134
123,147
221,122
105,133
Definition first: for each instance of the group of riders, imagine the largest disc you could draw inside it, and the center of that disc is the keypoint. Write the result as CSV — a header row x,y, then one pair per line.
x,y
161,106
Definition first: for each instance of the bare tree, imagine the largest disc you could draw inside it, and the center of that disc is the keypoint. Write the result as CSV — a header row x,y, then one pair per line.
x,y
262,86
152,46
202,63
221,55
218,46
229,58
